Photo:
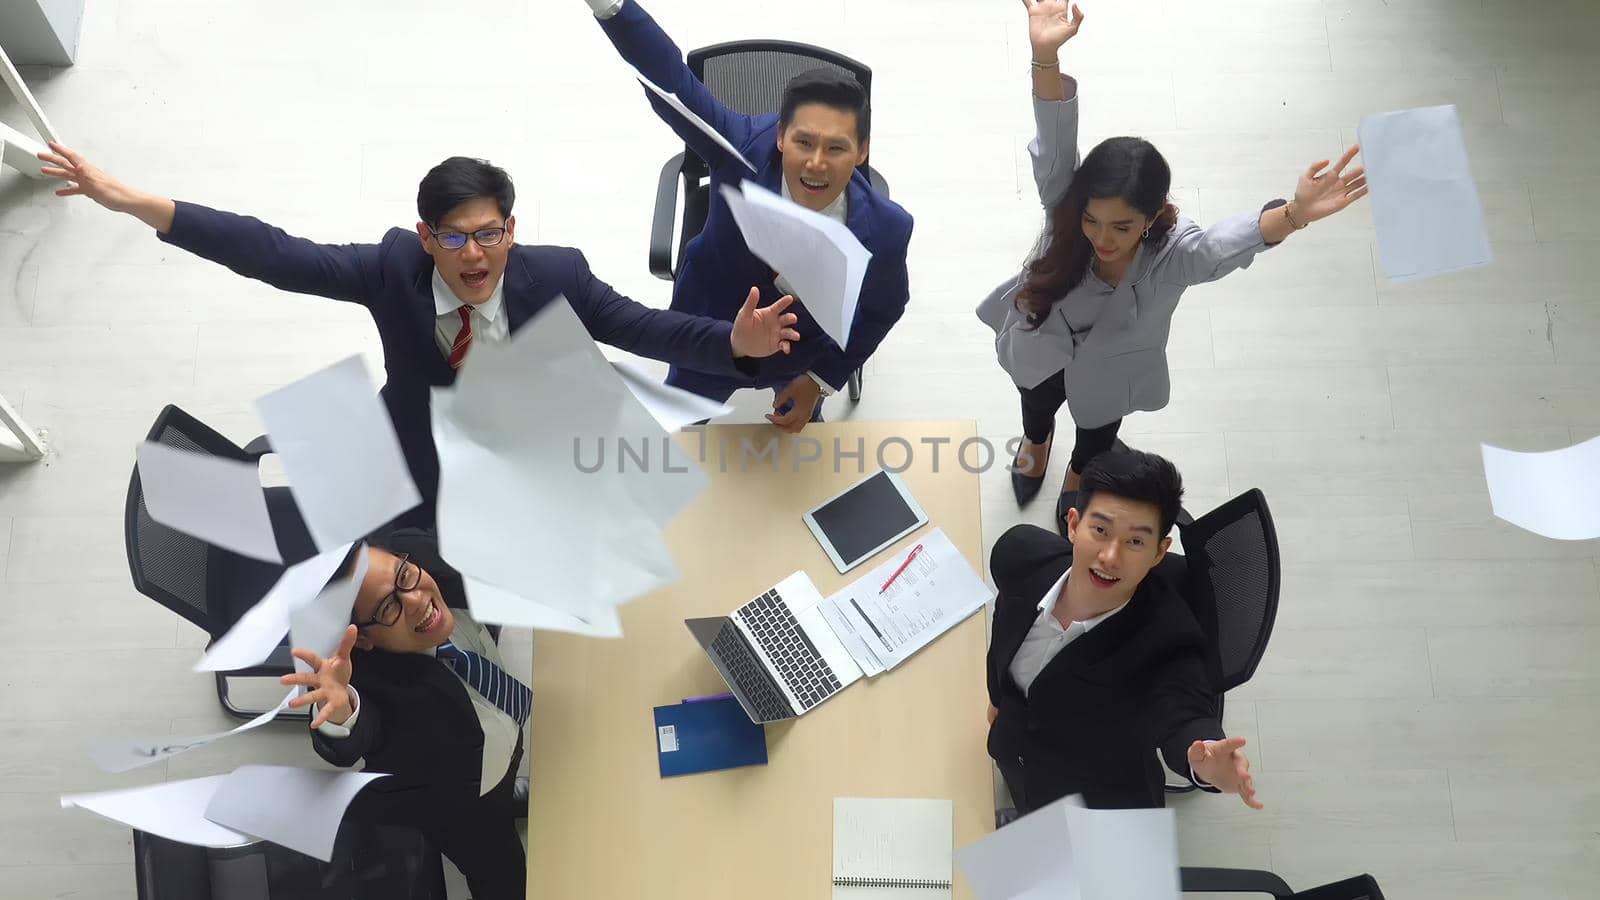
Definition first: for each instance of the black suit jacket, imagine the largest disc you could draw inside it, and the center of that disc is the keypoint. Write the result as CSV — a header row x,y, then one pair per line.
x,y
416,719
1134,683
393,279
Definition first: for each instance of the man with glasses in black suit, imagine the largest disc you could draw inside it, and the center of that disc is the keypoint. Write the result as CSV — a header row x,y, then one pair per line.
x,y
417,689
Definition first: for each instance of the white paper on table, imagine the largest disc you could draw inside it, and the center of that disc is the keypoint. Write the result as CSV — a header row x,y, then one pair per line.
x,y
1125,854
1029,859
121,754
512,435
1556,493
1065,851
174,810
693,119
296,808
257,633
674,408
1424,202
339,449
321,624
492,604
936,592
218,500
821,257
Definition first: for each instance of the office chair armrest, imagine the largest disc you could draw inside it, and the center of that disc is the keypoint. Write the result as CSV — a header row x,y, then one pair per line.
x,y
1237,881
259,447
662,222
876,179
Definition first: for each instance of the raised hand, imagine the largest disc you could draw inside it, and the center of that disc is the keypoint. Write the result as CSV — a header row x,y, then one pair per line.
x,y
328,682
1223,765
84,178
87,180
763,332
1052,23
1323,191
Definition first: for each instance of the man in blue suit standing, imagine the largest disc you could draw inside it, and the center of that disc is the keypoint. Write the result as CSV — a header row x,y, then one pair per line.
x,y
808,152
459,279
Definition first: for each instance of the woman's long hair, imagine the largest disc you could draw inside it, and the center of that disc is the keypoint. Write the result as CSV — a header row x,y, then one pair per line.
x,y
1126,167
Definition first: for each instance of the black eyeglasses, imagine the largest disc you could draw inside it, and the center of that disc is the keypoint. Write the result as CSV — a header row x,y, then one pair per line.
x,y
455,240
406,578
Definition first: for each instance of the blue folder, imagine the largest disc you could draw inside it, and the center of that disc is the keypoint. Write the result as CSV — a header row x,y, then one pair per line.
x,y
706,735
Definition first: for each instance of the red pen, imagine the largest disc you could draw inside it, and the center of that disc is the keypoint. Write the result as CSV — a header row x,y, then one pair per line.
x,y
914,551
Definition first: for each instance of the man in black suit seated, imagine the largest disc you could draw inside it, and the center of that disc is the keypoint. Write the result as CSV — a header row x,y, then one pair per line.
x,y
417,690
1093,666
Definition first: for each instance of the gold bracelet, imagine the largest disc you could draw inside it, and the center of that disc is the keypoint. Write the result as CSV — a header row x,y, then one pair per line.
x,y
1290,216
1049,65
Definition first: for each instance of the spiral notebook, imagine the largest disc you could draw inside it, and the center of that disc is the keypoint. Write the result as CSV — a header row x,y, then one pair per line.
x,y
892,849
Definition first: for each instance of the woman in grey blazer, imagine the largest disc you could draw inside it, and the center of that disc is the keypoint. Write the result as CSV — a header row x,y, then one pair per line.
x,y
1085,323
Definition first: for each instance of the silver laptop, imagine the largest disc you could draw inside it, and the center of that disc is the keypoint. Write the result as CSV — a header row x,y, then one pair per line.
x,y
777,653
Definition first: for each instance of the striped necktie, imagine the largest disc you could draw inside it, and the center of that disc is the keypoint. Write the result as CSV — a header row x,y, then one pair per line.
x,y
458,350
514,698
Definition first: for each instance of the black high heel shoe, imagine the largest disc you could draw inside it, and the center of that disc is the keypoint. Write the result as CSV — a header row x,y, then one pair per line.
x,y
1026,487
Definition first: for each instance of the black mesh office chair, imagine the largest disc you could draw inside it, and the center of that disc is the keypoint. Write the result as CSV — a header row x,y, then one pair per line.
x,y
748,76
208,585
1234,575
381,862
1250,881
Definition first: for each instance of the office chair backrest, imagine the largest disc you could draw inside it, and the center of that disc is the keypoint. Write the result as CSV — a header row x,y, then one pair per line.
x,y
168,566
207,585
749,76
1234,578
393,863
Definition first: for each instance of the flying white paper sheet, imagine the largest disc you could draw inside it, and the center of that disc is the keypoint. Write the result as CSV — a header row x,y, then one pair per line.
x,y
517,436
674,408
340,452
492,604
257,633
120,754
174,810
217,500
1424,202
704,126
320,625
1556,494
819,256
1066,852
296,808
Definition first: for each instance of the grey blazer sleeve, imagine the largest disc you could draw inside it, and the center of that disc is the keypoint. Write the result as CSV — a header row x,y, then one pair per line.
x,y
1199,255
1054,147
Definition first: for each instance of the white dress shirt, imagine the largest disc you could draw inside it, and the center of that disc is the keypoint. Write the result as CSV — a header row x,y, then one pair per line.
x,y
500,731
1047,638
489,321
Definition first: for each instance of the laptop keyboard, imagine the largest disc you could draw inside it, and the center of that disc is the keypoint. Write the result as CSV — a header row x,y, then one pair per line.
x,y
798,663
750,675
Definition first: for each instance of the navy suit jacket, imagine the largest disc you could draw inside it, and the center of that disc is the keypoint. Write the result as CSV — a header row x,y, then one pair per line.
x,y
393,279
1136,682
718,269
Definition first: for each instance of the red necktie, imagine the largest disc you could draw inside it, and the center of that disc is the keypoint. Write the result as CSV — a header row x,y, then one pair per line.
x,y
458,351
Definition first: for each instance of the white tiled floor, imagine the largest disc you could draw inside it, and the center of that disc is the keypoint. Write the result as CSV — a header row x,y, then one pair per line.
x,y
1428,708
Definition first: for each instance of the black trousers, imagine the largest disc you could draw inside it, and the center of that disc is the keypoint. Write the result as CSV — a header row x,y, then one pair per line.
x,y
476,833
1039,407
481,839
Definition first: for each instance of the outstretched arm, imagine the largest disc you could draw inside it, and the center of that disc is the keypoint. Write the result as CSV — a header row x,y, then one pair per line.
x,y
645,46
248,246
1054,149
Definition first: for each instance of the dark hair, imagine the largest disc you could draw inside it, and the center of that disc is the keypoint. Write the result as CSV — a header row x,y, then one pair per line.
x,y
1134,475
381,540
459,179
1127,167
830,87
